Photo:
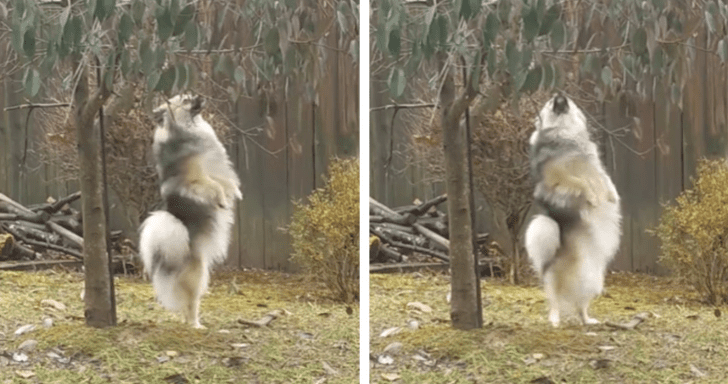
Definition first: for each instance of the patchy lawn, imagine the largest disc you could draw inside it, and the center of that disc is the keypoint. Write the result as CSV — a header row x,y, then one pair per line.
x,y
317,340
681,341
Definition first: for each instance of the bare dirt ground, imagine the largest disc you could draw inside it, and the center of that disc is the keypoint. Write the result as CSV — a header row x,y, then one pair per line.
x,y
315,341
680,340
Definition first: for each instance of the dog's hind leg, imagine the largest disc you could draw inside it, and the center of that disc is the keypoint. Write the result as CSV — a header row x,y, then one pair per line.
x,y
192,287
551,295
584,316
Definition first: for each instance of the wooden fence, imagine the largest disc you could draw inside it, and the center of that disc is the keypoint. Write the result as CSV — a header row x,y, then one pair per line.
x,y
326,128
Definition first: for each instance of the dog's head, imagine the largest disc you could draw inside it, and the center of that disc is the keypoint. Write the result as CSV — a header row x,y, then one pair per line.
x,y
179,111
562,114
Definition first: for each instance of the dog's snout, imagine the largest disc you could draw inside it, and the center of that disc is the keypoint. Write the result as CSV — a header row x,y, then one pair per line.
x,y
561,105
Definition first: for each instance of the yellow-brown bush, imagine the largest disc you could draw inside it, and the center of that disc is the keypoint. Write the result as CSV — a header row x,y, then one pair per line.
x,y
326,231
694,233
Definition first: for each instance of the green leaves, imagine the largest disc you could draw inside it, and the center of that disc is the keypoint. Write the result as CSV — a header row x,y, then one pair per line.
x,y
397,82
722,50
191,36
551,16
607,76
558,35
72,35
530,24
395,42
29,42
183,18
271,41
126,28
165,26
166,81
32,82
639,41
490,32
104,8
533,80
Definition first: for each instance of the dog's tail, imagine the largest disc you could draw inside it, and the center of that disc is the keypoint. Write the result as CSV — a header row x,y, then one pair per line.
x,y
164,246
542,242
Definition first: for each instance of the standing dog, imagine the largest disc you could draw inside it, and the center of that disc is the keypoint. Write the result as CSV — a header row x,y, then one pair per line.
x,y
571,243
180,243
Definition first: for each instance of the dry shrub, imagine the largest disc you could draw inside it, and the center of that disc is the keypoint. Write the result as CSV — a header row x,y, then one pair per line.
x,y
326,231
499,147
131,172
694,233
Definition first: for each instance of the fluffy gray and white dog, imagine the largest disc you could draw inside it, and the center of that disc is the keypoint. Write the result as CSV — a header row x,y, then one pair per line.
x,y
576,235
180,243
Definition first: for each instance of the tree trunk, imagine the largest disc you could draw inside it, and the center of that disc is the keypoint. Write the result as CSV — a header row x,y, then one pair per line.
x,y
466,310
98,295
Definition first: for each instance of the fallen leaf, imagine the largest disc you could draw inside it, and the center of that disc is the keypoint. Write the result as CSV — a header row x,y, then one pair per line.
x,y
177,378
162,359
628,308
171,353
28,345
542,380
529,361
716,312
696,372
600,363
605,348
393,347
25,374
324,314
385,360
328,369
349,310
419,306
538,356
390,376
20,357
233,361
413,324
52,303
693,316
24,329
390,332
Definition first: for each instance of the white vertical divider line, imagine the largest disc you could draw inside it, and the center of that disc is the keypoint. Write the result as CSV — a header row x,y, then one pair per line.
x,y
364,191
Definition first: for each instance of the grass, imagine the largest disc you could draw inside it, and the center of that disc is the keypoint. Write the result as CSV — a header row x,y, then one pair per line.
x,y
317,339
683,340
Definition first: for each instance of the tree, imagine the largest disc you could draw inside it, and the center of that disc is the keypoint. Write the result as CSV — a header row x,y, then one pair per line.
x,y
108,54
505,49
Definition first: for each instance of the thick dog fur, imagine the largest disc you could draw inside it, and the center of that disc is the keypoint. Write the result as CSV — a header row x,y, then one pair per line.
x,y
573,240
181,243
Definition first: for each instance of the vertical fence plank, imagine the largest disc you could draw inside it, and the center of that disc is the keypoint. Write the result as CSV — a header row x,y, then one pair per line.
x,y
275,189
251,163
622,158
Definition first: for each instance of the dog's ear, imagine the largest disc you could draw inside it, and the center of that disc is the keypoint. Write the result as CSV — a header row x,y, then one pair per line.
x,y
198,102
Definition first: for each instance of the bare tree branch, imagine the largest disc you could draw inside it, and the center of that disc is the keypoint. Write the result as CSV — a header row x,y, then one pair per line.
x,y
31,106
